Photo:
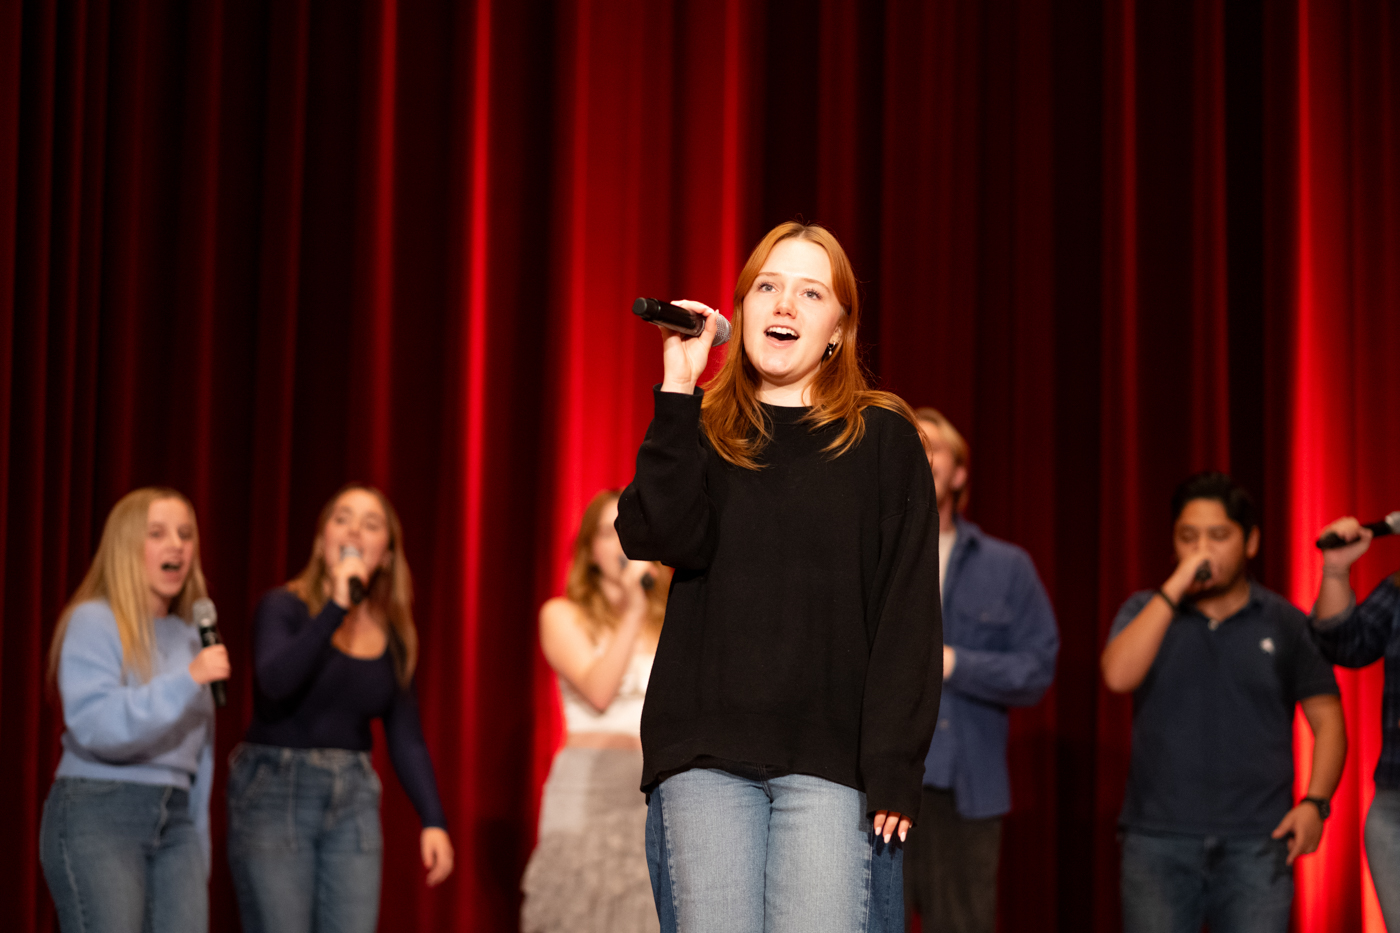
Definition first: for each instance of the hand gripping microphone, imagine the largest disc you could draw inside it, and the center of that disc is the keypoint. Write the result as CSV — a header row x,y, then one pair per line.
x,y
357,586
205,615
1390,525
681,320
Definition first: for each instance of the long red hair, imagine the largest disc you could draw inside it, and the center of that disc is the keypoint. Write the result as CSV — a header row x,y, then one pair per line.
x,y
731,415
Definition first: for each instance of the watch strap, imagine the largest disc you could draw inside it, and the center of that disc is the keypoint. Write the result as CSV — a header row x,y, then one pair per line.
x,y
1324,808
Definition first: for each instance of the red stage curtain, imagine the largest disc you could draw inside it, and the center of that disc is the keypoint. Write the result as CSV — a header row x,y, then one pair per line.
x,y
257,249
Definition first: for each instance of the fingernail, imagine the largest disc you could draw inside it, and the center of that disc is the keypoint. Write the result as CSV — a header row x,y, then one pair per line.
x,y
887,837
903,833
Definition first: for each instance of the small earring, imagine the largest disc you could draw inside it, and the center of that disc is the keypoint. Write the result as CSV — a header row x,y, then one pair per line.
x,y
830,349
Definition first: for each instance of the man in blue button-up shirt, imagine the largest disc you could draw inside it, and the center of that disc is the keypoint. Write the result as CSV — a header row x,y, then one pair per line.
x,y
1000,645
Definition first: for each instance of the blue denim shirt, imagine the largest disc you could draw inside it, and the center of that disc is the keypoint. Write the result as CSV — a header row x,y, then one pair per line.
x,y
999,621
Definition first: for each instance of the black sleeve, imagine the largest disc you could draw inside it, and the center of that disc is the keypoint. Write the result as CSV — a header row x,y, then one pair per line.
x,y
1309,673
409,752
664,514
287,646
904,678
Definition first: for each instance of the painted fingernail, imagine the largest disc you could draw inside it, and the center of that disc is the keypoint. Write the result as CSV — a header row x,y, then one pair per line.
x,y
903,834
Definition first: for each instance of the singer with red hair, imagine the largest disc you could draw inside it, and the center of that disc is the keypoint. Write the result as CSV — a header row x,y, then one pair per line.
x,y
796,683
333,649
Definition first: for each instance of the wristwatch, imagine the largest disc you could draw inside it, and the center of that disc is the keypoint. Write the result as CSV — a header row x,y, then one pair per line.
x,y
1323,807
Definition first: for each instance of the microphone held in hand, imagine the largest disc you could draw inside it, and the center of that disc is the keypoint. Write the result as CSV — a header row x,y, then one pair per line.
x,y
205,617
1203,572
648,581
357,586
681,320
1390,525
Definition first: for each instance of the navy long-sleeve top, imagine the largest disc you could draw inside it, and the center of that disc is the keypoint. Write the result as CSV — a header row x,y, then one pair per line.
x,y
310,694
803,620
999,622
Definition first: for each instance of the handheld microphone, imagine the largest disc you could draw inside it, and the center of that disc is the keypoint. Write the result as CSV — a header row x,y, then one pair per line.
x,y
1203,572
648,581
1390,525
205,615
357,586
681,320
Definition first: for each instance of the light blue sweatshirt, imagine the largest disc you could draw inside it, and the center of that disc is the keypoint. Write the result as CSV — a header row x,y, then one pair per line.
x,y
119,729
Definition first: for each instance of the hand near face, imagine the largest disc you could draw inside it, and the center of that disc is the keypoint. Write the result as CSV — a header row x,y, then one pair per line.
x,y
685,358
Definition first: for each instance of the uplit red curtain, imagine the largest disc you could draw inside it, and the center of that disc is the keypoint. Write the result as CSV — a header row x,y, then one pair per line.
x,y
255,249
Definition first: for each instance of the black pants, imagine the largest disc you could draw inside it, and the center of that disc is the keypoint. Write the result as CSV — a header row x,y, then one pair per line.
x,y
950,868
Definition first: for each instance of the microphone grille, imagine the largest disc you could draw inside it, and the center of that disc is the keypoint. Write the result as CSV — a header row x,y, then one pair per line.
x,y
204,612
722,329
1393,520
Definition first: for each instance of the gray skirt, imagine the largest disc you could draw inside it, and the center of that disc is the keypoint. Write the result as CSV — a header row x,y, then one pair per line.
x,y
588,873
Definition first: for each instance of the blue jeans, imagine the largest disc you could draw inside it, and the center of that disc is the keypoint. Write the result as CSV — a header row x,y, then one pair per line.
x,y
304,840
122,857
1383,852
1173,884
791,853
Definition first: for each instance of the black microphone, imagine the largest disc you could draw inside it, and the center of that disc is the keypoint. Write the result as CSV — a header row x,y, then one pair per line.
x,y
1390,525
205,615
1203,572
648,581
357,586
681,320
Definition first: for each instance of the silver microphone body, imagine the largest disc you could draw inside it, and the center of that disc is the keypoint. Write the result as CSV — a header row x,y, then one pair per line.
x,y
357,586
205,618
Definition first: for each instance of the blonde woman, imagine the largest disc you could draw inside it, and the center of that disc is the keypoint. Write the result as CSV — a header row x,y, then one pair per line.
x,y
305,844
588,873
125,835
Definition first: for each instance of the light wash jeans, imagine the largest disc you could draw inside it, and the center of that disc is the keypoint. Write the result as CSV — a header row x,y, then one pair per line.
x,y
776,855
1173,884
1383,852
304,841
122,857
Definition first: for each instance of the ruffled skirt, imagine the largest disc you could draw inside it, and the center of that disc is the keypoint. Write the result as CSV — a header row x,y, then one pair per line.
x,y
588,873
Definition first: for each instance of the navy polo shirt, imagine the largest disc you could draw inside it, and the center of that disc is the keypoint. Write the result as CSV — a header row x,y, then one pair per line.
x,y
1213,719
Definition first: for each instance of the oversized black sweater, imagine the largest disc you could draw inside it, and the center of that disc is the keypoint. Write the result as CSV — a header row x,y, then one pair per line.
x,y
803,632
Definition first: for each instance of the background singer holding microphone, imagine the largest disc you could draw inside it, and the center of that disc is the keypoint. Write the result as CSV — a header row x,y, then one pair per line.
x,y
1217,664
125,836
305,844
1355,636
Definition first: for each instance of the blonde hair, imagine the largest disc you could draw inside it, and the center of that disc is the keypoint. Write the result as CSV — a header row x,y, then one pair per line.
x,y
582,587
389,591
118,576
961,454
731,415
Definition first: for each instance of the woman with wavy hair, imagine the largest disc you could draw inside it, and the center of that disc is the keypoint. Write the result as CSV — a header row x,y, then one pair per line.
x,y
124,840
588,873
333,650
795,690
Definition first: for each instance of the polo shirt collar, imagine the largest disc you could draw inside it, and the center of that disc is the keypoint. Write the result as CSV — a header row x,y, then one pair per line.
x,y
1255,601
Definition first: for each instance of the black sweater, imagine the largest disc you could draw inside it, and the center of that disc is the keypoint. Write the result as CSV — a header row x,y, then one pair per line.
x,y
803,627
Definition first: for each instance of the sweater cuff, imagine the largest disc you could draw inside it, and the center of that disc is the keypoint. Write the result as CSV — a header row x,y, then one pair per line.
x,y
676,419
894,787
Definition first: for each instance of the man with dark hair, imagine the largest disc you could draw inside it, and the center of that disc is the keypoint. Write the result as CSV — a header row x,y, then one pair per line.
x,y
1355,636
1216,664
1000,646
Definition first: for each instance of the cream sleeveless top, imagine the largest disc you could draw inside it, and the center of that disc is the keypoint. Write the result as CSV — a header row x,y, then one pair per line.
x,y
624,713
